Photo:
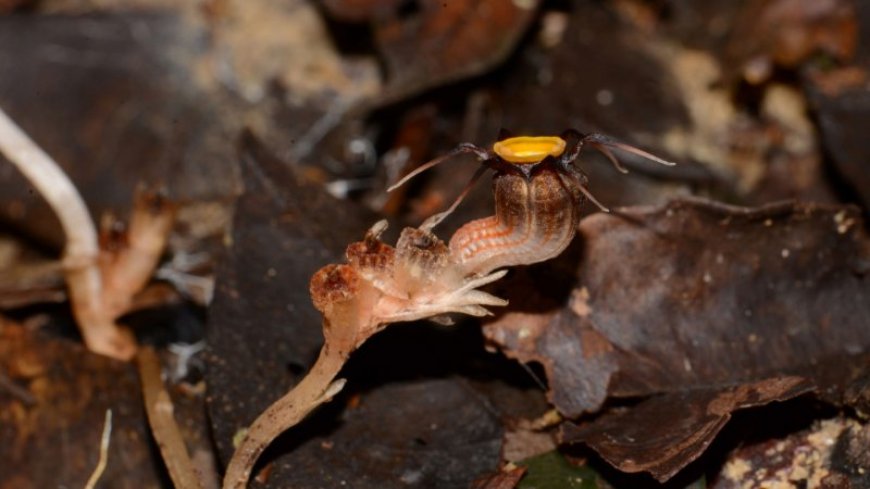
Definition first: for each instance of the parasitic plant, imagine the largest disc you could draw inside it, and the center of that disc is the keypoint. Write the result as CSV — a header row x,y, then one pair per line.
x,y
538,192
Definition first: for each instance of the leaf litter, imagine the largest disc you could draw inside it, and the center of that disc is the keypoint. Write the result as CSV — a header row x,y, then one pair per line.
x,y
636,325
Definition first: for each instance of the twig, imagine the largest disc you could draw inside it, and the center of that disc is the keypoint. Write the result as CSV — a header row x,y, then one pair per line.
x,y
104,452
81,251
159,408
206,466
16,390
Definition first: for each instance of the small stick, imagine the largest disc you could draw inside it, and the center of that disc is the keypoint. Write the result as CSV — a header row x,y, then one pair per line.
x,y
104,452
159,408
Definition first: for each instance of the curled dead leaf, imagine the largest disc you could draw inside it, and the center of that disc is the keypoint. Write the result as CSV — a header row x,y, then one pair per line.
x,y
697,297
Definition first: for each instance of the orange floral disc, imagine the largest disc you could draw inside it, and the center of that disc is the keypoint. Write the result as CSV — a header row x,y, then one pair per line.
x,y
529,149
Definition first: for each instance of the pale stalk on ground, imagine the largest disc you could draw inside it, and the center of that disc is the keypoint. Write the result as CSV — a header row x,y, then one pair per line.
x,y
160,411
101,284
105,438
81,250
316,388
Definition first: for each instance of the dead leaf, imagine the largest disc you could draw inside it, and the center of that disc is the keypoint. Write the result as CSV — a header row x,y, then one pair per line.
x,y
620,86
626,91
785,33
113,103
55,441
664,433
507,478
7,6
441,42
701,296
262,319
840,115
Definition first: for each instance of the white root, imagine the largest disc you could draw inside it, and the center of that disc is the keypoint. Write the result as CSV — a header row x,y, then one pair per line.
x,y
101,285
54,185
103,461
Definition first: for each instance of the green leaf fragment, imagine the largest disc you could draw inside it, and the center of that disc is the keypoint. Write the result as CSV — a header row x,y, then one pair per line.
x,y
552,471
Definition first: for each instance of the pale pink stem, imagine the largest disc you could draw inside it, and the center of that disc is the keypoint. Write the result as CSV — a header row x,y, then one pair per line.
x,y
315,388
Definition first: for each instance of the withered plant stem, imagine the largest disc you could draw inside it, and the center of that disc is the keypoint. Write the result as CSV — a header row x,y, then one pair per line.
x,y
160,411
313,390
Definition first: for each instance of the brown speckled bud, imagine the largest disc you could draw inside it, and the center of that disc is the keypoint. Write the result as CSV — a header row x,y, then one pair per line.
x,y
370,257
423,249
332,284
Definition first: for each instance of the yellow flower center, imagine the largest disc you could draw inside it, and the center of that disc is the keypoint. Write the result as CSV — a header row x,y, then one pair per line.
x,y
529,149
